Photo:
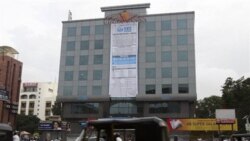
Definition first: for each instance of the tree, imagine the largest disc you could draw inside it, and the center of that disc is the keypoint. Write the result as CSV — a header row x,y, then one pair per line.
x,y
27,123
206,107
57,108
236,95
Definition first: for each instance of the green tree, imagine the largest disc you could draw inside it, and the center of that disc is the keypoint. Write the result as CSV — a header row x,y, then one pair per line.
x,y
206,107
57,108
27,123
236,95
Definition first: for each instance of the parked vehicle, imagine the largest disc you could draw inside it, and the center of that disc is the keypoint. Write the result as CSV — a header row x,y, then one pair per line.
x,y
5,132
129,129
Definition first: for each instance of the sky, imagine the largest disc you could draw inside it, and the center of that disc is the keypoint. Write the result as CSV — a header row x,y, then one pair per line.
x,y
222,35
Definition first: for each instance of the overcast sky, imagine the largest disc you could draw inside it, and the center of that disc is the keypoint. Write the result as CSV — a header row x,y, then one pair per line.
x,y
222,35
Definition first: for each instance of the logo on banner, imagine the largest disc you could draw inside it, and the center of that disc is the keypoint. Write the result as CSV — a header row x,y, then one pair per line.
x,y
122,17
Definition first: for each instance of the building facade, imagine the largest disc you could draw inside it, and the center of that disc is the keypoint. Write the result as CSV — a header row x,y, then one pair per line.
x,y
10,79
37,98
128,64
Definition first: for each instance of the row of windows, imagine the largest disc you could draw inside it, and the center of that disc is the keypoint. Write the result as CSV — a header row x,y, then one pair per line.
x,y
126,108
149,89
150,73
26,97
150,57
150,42
150,26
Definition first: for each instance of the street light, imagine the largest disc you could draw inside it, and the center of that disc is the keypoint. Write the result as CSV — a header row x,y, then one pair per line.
x,y
247,125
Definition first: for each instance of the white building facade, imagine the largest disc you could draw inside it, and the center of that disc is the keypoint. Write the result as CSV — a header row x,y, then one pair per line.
x,y
37,98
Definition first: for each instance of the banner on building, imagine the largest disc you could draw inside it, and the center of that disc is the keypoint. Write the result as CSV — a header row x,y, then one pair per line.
x,y
4,95
123,80
200,125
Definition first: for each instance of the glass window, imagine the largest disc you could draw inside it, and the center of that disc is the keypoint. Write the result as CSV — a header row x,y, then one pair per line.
x,y
166,72
150,41
150,73
182,24
166,40
182,72
69,61
85,108
174,107
166,88
99,29
97,90
166,56
150,57
70,46
67,90
83,75
68,75
150,26
98,44
182,56
84,45
150,89
97,75
166,25
85,30
182,40
82,90
123,108
161,107
183,88
84,60
71,31
98,59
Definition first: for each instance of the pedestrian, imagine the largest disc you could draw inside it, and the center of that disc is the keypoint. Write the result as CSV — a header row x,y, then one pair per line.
x,y
16,137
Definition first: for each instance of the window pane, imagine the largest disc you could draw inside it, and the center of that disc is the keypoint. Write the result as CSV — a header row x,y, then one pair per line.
x,y
85,30
84,45
85,108
97,90
183,88
160,107
166,40
82,90
67,90
98,59
97,75
166,56
70,46
150,41
182,56
150,26
182,24
150,89
166,88
166,72
182,72
69,61
68,75
174,107
83,75
84,60
99,29
98,44
166,25
182,40
150,73
71,31
150,57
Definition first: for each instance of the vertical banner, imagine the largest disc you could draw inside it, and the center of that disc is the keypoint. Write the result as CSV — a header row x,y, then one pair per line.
x,y
123,80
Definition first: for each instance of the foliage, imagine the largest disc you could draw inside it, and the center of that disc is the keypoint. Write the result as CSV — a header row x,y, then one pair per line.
x,y
206,107
57,108
236,95
27,123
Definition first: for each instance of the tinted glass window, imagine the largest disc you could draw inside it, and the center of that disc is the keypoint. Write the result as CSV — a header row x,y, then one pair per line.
x,y
99,29
98,59
150,41
71,31
150,26
166,40
150,89
83,75
68,75
82,90
85,30
166,72
166,25
150,73
182,24
166,56
166,88
183,88
150,57
97,75
70,46
69,61
98,44
67,90
85,108
97,90
84,60
182,56
182,40
84,45
182,72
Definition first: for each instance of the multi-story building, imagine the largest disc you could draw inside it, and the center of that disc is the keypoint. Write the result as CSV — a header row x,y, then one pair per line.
x,y
37,98
128,63
10,79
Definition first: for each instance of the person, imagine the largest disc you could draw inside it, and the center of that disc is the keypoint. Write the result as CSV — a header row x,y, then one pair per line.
x,y
16,137
56,126
117,137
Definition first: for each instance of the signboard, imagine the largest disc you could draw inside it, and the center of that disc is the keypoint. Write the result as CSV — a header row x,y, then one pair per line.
x,y
4,95
199,125
123,60
225,116
54,125
122,17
